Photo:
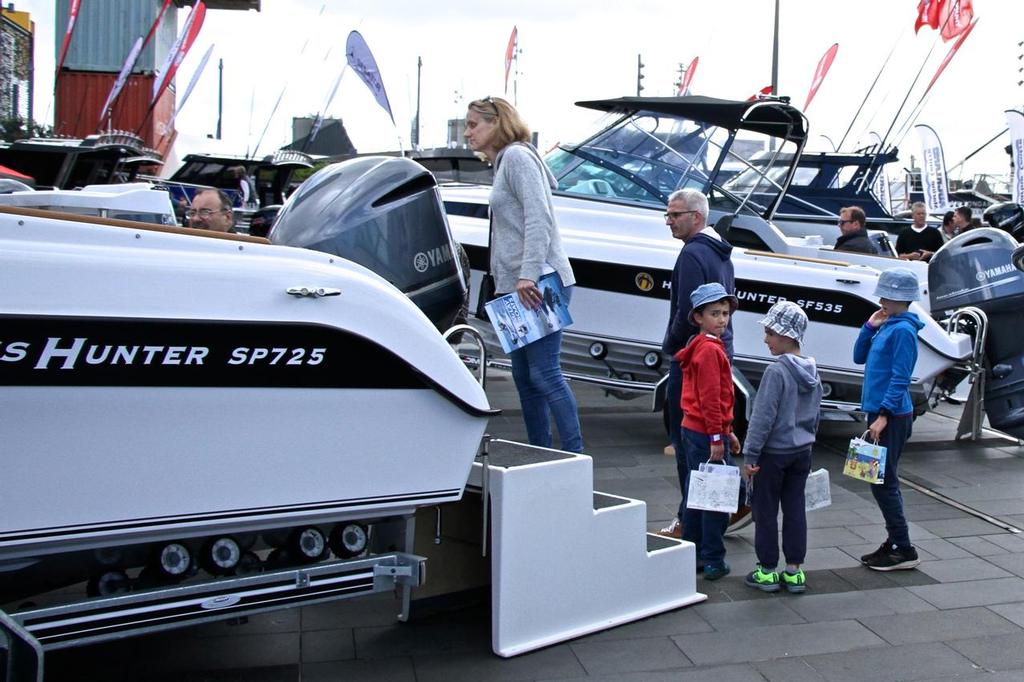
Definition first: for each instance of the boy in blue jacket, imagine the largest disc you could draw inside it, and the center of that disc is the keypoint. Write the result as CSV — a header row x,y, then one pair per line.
x,y
777,453
887,346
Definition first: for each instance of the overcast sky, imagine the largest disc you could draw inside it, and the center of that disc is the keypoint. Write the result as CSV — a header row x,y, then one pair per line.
x,y
574,50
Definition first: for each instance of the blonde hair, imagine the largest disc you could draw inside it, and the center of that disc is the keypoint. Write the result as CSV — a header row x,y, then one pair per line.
x,y
511,127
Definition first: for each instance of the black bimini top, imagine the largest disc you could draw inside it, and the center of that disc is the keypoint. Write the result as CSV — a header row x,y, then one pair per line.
x,y
768,117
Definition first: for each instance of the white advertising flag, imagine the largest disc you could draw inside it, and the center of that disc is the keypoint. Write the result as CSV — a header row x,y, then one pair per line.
x,y
1015,122
933,171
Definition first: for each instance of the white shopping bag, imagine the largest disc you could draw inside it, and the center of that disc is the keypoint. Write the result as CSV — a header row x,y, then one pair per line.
x,y
817,491
714,487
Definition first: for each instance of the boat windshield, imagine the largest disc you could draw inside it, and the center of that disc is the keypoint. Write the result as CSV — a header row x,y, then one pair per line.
x,y
644,157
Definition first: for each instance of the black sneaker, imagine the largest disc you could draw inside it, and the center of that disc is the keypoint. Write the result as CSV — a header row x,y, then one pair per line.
x,y
894,559
882,550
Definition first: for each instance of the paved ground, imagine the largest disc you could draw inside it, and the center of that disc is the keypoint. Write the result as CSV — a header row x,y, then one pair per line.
x,y
960,616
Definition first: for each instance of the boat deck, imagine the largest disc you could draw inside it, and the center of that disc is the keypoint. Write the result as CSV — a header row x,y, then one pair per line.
x,y
961,615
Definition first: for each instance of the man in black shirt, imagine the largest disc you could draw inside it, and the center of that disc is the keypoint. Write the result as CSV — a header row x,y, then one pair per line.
x,y
918,241
855,236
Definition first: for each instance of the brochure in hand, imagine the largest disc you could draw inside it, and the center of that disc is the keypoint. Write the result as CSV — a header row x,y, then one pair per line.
x,y
517,325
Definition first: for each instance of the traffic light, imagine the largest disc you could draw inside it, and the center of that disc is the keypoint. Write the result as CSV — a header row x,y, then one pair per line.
x,y
639,75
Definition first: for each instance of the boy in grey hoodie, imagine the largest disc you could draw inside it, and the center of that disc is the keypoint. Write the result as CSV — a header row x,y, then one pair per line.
x,y
777,452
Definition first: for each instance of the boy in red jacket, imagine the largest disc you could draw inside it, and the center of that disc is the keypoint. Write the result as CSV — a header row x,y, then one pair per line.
x,y
707,404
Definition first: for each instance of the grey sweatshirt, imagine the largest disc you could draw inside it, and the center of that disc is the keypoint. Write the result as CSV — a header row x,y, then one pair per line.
x,y
524,234
786,408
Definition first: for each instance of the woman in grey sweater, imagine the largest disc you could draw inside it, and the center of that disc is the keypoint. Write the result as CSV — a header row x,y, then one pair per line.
x,y
525,245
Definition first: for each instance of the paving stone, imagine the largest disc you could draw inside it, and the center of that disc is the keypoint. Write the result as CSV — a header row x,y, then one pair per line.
x,y
939,626
864,578
407,639
278,673
1012,542
830,537
328,645
397,669
679,622
632,655
788,670
1011,612
820,558
769,642
957,570
849,605
979,546
942,549
726,673
971,593
892,664
1004,652
730,617
932,512
553,662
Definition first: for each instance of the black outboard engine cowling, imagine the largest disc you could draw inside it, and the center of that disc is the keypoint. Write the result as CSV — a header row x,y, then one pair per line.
x,y
975,269
384,213
1008,217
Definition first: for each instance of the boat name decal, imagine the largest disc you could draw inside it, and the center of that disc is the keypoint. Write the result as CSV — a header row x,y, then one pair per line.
x,y
431,258
772,299
93,351
65,353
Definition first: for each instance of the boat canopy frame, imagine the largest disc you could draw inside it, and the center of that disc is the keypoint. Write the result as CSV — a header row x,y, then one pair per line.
x,y
773,118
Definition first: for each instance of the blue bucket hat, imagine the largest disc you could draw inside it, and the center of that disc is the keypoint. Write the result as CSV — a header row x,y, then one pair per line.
x,y
786,318
710,293
898,284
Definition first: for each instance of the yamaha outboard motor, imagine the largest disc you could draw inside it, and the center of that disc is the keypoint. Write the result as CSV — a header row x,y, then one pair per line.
x,y
975,269
1008,217
384,213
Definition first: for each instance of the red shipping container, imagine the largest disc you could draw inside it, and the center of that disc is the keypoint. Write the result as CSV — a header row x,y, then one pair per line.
x,y
81,94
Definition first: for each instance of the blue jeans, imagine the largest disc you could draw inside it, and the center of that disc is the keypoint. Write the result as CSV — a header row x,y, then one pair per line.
x,y
782,478
887,495
543,392
704,529
673,398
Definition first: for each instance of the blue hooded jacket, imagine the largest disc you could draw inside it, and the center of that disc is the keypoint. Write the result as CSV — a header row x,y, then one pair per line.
x,y
703,259
889,355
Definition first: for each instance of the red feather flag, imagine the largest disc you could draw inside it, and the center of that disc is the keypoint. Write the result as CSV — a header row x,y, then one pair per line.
x,y
72,18
956,46
928,13
510,52
956,18
819,73
684,85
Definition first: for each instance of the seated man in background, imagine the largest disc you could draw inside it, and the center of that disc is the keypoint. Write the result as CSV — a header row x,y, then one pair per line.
x,y
918,241
855,237
211,210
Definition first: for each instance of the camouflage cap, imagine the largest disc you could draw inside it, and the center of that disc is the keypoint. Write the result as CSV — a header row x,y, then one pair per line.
x,y
786,318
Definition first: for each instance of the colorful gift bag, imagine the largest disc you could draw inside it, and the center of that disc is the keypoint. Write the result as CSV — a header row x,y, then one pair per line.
x,y
715,488
817,490
865,461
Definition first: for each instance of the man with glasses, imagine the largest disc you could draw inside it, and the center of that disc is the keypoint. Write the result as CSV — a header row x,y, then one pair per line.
x,y
854,235
705,258
211,210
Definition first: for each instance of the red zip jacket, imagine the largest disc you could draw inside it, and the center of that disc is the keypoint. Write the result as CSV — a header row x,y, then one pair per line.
x,y
707,386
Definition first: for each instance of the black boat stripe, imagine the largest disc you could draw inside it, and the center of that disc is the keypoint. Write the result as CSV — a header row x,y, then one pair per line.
x,y
25,535
142,352
755,296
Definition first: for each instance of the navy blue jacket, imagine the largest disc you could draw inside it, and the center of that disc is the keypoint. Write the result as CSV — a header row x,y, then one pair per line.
x,y
702,260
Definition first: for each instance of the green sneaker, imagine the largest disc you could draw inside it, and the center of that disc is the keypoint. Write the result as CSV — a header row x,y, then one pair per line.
x,y
794,582
760,579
